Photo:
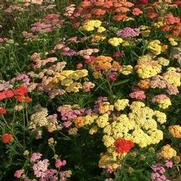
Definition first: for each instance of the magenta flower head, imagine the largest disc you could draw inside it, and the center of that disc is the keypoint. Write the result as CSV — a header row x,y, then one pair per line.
x,y
128,32
60,163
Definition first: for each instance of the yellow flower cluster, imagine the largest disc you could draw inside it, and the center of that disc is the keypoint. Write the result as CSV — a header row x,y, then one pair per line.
x,y
126,69
175,131
102,120
161,117
98,37
92,25
172,77
168,152
93,130
68,79
155,47
90,119
147,69
121,104
172,41
104,107
159,24
140,122
107,161
163,61
163,103
139,126
115,41
145,30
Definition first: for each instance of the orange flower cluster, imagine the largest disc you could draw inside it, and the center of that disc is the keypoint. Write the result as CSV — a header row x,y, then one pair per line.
x,y
104,64
91,9
7,138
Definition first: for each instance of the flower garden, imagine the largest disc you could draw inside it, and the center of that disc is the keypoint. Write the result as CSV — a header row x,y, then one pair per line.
x,y
90,90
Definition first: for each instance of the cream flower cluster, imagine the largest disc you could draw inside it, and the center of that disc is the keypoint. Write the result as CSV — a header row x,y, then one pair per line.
x,y
41,119
136,122
139,125
172,77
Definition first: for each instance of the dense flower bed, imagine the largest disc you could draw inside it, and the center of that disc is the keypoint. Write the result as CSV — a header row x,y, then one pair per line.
x,y
90,90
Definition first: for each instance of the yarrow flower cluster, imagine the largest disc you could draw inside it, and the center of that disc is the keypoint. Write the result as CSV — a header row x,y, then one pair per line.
x,y
46,25
170,80
115,41
168,152
155,47
162,100
104,65
104,79
92,25
160,170
41,119
147,68
120,129
56,81
42,169
69,114
175,131
128,32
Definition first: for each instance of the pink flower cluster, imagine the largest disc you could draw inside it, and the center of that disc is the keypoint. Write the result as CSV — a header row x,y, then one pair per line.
x,y
60,163
35,156
5,86
19,173
23,78
47,24
65,50
112,76
39,62
42,171
3,40
159,82
159,171
138,94
159,97
40,168
87,52
87,86
29,35
128,32
68,114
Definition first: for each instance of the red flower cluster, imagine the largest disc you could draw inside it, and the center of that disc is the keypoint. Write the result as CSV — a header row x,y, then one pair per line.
x,y
3,111
140,2
7,138
19,94
123,146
